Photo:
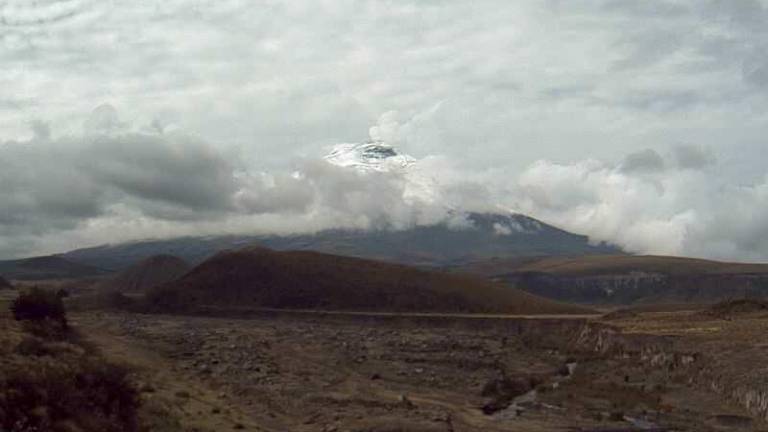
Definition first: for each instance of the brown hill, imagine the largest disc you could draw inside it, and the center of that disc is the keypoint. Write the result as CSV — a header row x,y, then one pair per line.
x,y
262,278
147,274
4,284
611,264
628,279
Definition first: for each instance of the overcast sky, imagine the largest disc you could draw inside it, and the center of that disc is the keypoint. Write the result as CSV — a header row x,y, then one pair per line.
x,y
641,123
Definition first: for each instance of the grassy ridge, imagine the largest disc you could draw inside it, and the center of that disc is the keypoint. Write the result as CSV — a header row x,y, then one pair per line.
x,y
257,277
613,264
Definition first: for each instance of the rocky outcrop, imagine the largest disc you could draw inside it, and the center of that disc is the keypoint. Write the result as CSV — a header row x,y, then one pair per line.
x,y
749,390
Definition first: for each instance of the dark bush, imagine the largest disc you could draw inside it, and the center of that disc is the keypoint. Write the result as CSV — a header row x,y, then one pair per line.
x,y
39,305
88,395
503,390
56,381
32,346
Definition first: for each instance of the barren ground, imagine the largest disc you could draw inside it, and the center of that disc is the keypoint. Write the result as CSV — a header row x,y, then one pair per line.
x,y
304,372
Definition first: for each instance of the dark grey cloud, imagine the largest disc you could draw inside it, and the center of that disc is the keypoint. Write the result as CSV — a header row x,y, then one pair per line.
x,y
693,157
643,161
42,189
172,169
111,181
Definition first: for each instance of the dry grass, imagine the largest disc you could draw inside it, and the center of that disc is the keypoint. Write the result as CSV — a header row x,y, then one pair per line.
x,y
50,380
619,264
256,277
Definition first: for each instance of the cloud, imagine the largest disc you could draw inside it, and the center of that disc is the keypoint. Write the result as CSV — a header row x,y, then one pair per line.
x,y
220,103
274,193
114,181
687,211
643,161
517,79
693,157
173,169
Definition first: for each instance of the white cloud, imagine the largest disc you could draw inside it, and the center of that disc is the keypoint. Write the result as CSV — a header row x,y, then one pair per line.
x,y
690,211
114,182
479,91
523,80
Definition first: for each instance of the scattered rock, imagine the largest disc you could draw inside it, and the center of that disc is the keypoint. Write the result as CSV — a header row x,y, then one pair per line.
x,y
406,402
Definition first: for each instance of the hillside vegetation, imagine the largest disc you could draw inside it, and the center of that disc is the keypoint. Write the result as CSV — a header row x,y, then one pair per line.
x,y
50,380
262,278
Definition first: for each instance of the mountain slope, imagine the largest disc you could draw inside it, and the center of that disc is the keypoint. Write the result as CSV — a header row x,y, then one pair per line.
x,y
257,277
484,236
628,279
467,237
47,267
147,274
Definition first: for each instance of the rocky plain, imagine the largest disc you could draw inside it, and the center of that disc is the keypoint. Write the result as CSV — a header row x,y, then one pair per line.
x,y
297,371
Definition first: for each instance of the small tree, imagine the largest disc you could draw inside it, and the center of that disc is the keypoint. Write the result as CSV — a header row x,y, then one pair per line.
x,y
39,305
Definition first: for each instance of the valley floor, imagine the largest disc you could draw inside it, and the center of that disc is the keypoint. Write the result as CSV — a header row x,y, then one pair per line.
x,y
299,372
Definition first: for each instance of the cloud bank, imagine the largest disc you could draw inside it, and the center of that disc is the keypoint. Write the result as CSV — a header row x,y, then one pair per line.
x,y
114,182
679,204
639,123
517,81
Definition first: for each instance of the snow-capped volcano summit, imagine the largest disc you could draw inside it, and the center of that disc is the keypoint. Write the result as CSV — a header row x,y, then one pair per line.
x,y
369,156
373,157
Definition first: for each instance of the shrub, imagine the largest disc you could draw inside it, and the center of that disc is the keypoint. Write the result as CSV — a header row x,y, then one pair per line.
x,y
32,346
55,381
39,305
85,394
